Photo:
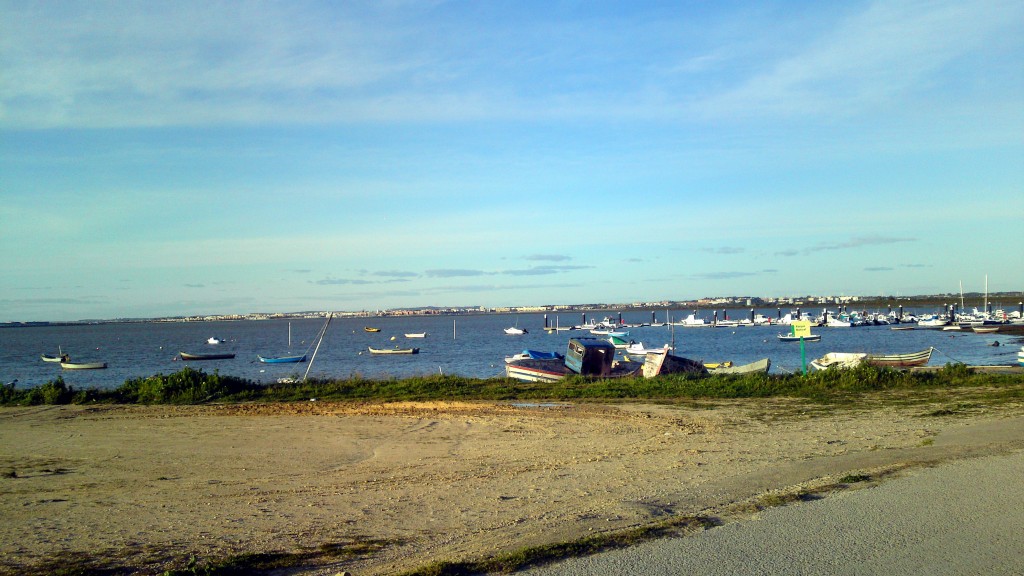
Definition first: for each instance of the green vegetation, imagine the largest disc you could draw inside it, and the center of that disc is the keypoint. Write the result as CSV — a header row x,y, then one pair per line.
x,y
190,386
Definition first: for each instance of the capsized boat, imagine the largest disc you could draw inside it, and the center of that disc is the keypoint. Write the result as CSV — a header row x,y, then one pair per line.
x,y
839,360
895,360
187,356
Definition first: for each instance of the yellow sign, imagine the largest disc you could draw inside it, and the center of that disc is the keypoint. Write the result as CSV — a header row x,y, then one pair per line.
x,y
801,328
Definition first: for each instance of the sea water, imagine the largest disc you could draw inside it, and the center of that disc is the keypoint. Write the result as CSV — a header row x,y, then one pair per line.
x,y
466,345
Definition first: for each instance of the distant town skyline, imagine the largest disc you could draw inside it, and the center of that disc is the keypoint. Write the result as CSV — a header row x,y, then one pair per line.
x,y
208,158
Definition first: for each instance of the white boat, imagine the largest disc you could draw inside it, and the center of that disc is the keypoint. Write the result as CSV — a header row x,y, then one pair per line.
x,y
933,321
692,321
638,349
83,365
214,340
839,360
513,331
791,338
1020,356
416,335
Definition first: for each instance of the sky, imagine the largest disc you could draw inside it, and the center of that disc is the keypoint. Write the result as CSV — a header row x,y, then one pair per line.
x,y
207,157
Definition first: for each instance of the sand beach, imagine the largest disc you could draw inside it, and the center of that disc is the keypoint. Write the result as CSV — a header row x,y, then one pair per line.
x,y
382,488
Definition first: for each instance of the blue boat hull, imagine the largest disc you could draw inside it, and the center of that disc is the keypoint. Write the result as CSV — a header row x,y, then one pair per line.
x,y
282,359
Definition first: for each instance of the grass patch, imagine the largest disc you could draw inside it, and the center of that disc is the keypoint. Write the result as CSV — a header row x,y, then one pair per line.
x,y
854,478
839,388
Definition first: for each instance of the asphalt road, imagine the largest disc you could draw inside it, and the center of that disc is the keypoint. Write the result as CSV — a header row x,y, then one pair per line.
x,y
964,517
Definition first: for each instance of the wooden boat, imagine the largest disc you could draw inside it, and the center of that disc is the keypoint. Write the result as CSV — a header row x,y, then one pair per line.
x,y
394,350
762,366
583,356
791,338
58,358
661,362
416,335
912,359
371,329
281,359
838,360
83,365
187,356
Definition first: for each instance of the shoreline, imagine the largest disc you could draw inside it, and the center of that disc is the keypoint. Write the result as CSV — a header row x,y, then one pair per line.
x,y
426,482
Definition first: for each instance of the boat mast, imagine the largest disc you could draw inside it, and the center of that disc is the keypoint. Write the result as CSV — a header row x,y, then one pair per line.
x,y
323,331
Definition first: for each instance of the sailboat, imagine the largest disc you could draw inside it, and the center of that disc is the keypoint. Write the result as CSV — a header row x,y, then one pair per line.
x,y
283,359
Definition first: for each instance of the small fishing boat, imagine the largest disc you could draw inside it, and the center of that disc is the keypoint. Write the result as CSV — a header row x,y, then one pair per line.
x,y
187,356
416,335
59,358
394,350
791,338
371,329
281,359
985,329
583,356
895,360
214,340
839,360
83,365
661,362
638,349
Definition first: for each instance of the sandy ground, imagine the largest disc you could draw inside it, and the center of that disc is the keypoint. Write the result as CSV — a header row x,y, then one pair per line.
x,y
144,486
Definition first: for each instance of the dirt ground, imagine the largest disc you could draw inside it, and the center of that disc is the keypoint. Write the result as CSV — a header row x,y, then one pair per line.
x,y
146,487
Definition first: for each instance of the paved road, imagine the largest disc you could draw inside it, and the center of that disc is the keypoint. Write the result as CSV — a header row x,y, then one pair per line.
x,y
965,517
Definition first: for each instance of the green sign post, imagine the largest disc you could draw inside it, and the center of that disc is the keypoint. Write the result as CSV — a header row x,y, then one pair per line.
x,y
802,328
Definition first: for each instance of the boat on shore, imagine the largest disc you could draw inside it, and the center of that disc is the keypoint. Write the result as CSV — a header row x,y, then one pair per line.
x,y
762,366
281,359
584,356
661,362
186,356
838,360
985,329
83,365
534,355
394,350
897,360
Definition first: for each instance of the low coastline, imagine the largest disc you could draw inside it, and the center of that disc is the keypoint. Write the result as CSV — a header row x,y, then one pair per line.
x,y
409,484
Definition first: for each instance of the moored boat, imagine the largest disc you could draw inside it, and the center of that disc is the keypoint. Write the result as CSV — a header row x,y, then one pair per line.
x,y
371,329
83,365
985,329
394,350
214,340
281,359
791,338
58,358
514,331
911,359
187,356
416,335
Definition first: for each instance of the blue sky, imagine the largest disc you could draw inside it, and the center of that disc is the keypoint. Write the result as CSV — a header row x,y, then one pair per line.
x,y
221,157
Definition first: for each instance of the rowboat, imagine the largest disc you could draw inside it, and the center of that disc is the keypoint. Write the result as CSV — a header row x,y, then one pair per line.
x,y
281,359
83,365
761,366
371,329
838,360
791,338
985,329
58,358
187,356
912,359
394,350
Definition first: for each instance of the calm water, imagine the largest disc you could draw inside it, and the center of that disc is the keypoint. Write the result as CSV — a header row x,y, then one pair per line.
x,y
472,346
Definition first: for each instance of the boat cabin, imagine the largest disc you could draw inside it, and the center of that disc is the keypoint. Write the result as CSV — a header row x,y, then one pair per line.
x,y
590,356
